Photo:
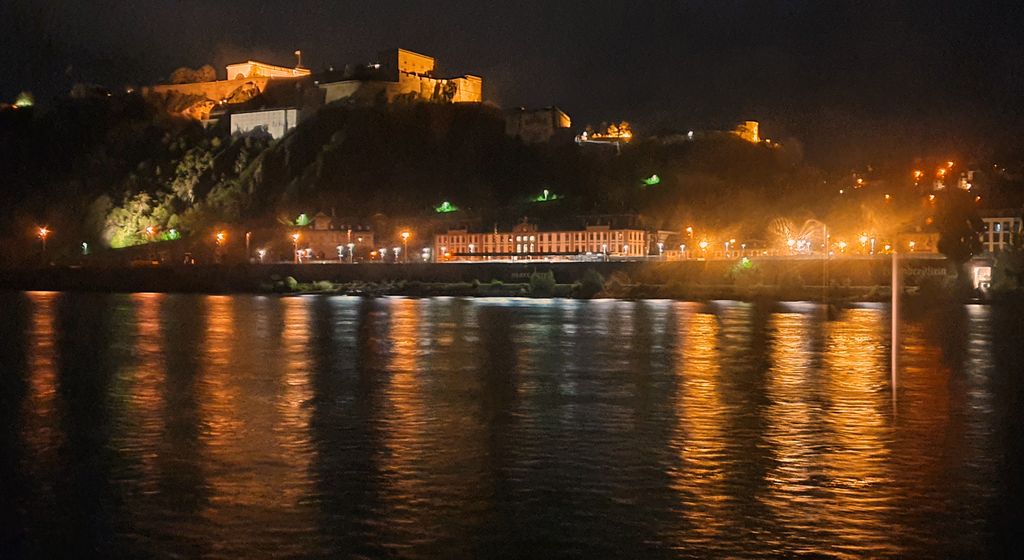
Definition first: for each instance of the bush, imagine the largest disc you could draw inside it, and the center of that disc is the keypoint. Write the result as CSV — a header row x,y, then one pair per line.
x,y
542,283
591,284
791,281
291,283
618,284
322,286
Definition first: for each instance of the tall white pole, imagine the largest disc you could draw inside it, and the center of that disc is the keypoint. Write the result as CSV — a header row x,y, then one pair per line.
x,y
894,305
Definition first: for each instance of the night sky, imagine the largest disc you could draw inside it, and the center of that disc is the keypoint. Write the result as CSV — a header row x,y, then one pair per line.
x,y
852,81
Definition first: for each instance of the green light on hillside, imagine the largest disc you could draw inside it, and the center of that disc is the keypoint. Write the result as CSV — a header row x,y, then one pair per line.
x,y
24,99
170,235
652,180
545,196
302,220
446,207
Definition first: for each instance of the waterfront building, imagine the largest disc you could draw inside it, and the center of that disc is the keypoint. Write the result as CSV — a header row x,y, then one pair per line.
x,y
525,241
1001,227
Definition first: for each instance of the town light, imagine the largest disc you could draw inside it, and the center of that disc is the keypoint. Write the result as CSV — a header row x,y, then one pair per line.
x,y
295,246
351,252
912,244
261,253
863,238
703,245
150,231
220,237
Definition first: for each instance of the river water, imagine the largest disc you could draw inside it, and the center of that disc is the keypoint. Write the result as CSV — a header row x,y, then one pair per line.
x,y
152,425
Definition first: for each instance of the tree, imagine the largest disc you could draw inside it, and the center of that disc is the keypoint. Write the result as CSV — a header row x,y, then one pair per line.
x,y
960,228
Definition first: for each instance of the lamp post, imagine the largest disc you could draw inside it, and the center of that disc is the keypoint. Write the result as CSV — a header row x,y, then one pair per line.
x,y
261,253
405,244
248,241
295,246
351,253
43,233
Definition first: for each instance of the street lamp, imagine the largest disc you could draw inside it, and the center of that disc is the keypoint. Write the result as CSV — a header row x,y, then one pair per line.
x,y
351,252
405,244
661,248
625,250
398,251
261,253
43,233
295,246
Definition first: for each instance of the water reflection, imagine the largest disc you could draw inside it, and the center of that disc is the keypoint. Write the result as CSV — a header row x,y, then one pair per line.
x,y
236,426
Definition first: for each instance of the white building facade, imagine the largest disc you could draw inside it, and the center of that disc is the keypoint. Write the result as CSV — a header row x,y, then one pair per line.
x,y
1001,227
524,242
275,121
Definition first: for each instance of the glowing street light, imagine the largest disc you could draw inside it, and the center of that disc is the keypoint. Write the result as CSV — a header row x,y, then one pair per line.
x,y
405,244
295,247
43,233
703,245
261,253
912,245
351,252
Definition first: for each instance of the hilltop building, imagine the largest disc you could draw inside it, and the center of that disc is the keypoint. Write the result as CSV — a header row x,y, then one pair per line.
x,y
246,81
538,126
275,122
401,74
749,131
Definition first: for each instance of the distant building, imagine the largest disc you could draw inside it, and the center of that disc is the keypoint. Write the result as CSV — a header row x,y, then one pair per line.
x,y
256,69
537,126
749,131
402,74
246,81
525,242
275,122
1001,227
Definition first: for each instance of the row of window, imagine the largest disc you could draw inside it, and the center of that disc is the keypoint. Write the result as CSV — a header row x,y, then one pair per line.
x,y
608,236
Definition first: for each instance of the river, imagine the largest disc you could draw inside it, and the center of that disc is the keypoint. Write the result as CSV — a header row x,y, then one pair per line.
x,y
157,425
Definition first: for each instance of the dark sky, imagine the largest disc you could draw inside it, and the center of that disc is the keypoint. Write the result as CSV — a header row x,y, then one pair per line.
x,y
851,80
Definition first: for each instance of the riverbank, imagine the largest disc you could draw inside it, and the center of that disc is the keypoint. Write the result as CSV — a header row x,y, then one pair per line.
x,y
784,280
